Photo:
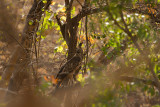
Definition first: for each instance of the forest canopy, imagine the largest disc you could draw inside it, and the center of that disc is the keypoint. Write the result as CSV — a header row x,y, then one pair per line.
x,y
79,53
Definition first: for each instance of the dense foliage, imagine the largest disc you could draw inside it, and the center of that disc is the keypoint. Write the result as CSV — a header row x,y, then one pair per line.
x,y
82,53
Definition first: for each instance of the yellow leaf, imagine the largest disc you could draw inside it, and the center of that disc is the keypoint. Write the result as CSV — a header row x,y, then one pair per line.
x,y
60,5
53,3
63,9
60,49
63,18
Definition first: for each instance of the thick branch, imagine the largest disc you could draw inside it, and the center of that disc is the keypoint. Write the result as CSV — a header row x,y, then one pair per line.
x,y
87,11
154,16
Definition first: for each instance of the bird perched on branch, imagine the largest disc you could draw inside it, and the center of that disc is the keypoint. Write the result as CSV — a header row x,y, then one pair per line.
x,y
70,69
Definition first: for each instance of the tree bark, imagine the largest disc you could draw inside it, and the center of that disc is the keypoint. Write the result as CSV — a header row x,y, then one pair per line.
x,y
18,65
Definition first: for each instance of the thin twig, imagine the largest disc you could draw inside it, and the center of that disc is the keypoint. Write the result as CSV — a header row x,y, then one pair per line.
x,y
86,60
129,33
79,3
6,90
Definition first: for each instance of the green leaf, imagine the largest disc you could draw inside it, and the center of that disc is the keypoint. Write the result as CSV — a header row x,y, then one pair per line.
x,y
44,1
151,91
38,33
42,9
55,50
43,37
60,49
145,88
30,22
156,68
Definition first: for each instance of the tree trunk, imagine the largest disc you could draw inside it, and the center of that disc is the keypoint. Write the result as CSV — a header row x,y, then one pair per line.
x,y
18,65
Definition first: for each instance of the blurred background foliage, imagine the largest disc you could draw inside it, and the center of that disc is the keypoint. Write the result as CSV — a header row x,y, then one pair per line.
x,y
123,43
